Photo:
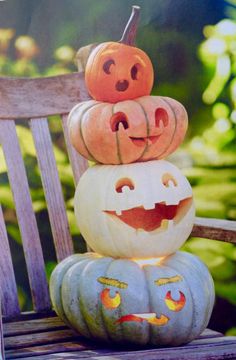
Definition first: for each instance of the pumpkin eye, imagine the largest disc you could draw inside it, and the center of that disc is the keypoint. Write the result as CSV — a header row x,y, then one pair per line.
x,y
124,183
110,302
107,66
161,117
175,305
119,119
134,71
169,180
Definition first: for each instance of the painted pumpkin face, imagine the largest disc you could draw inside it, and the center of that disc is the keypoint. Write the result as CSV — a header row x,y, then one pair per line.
x,y
164,301
150,127
136,210
116,72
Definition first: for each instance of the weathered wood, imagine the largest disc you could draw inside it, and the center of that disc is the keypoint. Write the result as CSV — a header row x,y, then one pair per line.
x,y
8,289
78,163
47,337
26,217
2,355
215,229
52,188
45,349
40,97
32,326
220,348
22,342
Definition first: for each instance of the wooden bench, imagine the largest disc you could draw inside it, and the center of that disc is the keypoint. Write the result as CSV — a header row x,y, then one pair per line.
x,y
40,334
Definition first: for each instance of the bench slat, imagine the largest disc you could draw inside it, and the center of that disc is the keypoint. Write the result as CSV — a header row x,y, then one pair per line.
x,y
40,97
213,348
66,343
8,289
78,163
32,326
46,349
215,229
52,188
26,217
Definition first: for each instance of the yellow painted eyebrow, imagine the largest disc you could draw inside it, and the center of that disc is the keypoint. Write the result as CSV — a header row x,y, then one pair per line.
x,y
164,281
112,282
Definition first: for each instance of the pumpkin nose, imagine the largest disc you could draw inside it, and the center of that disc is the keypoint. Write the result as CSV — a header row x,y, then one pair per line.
x,y
122,85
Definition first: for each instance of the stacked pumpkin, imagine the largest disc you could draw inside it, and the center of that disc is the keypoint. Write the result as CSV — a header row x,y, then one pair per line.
x,y
135,210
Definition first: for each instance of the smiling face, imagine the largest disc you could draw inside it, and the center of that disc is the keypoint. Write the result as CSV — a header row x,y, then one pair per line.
x,y
117,72
142,301
113,302
149,127
135,210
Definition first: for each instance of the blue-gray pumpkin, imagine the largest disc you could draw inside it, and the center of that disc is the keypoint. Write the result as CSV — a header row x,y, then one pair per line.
x,y
156,301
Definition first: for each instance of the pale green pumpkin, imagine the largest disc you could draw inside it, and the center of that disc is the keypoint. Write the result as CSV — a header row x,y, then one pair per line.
x,y
158,301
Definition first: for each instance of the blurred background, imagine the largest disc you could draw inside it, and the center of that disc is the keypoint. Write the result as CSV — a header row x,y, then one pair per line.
x,y
192,45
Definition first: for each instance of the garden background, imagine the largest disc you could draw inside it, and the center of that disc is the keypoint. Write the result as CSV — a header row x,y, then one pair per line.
x,y
192,45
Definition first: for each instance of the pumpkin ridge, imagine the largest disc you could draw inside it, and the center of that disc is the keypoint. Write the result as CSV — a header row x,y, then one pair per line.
x,y
64,283
193,318
209,302
149,302
173,135
148,129
81,131
101,308
102,313
117,140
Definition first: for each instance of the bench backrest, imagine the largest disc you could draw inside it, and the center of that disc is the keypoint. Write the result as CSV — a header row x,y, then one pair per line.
x,y
35,100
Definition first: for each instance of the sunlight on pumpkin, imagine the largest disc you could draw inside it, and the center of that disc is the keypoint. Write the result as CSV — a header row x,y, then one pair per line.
x,y
148,261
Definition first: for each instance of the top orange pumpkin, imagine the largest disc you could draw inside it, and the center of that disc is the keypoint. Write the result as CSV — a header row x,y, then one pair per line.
x,y
117,72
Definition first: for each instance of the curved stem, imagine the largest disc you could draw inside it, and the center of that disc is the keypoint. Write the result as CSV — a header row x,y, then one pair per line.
x,y
129,33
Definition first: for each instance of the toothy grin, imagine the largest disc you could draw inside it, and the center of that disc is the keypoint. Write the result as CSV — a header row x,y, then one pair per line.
x,y
159,216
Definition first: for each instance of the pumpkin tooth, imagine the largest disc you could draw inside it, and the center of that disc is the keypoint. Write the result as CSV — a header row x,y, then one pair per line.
x,y
148,206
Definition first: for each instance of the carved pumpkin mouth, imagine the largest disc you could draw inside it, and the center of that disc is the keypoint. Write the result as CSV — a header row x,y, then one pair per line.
x,y
156,218
151,318
122,85
146,140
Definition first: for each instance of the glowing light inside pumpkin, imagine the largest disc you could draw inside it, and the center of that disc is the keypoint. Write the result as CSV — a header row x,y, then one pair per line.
x,y
148,261
108,301
112,282
153,219
164,281
150,318
175,305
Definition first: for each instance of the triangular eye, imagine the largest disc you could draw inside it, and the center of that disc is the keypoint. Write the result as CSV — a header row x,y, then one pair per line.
x,y
124,183
107,66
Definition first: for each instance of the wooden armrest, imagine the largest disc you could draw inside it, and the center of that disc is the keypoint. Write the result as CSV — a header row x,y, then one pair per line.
x,y
215,229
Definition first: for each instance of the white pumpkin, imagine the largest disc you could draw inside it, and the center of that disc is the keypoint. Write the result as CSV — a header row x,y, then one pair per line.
x,y
134,210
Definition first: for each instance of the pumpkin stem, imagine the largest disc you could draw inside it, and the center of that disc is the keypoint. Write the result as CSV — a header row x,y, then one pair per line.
x,y
129,33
